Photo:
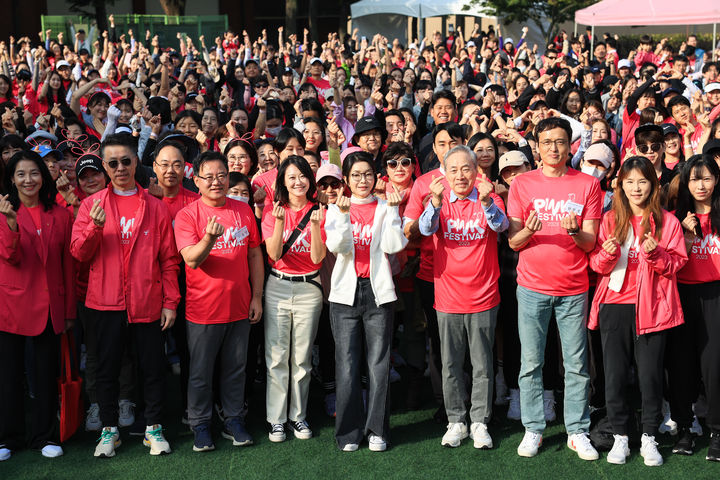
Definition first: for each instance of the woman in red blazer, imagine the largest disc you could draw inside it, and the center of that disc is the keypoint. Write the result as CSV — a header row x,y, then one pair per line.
x,y
37,300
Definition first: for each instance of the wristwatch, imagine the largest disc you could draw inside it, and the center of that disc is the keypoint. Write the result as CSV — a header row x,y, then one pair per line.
x,y
574,231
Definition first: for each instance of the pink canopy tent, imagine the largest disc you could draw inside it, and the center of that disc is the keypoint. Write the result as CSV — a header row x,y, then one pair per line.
x,y
650,12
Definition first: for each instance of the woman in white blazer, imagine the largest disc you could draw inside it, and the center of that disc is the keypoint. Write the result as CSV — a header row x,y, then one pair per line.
x,y
362,231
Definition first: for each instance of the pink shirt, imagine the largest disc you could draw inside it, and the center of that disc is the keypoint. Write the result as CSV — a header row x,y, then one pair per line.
x,y
704,258
297,260
419,194
362,217
628,291
127,207
266,181
551,263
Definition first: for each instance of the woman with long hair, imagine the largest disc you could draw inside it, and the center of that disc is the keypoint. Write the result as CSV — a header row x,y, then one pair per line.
x,y
362,231
694,348
640,249
293,297
37,301
242,157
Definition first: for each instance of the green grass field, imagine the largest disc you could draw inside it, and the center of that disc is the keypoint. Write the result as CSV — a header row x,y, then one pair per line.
x,y
415,453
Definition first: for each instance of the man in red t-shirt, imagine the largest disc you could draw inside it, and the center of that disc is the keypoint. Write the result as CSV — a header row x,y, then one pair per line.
x,y
219,240
554,215
465,220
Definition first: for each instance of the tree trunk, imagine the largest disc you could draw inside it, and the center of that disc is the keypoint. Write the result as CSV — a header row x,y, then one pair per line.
x,y
173,7
312,19
290,17
343,18
100,17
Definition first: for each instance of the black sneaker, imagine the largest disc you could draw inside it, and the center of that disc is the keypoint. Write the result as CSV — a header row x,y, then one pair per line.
x,y
203,440
685,443
301,430
713,454
235,430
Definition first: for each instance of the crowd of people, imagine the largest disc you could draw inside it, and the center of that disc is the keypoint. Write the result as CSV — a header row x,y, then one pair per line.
x,y
520,221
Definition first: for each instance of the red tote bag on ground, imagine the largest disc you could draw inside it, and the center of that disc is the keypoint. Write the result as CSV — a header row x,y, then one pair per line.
x,y
70,389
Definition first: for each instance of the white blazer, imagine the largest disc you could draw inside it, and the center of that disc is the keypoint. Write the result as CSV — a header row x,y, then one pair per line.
x,y
387,238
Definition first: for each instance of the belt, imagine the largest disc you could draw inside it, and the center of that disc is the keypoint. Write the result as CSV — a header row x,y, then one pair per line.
x,y
297,278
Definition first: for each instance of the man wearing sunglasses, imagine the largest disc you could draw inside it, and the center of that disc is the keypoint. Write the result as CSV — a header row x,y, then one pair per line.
x,y
650,143
126,237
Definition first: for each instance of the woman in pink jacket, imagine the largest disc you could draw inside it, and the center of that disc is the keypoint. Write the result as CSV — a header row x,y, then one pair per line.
x,y
640,248
37,300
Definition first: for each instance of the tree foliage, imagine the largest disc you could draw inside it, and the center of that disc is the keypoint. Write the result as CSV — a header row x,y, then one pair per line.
x,y
546,14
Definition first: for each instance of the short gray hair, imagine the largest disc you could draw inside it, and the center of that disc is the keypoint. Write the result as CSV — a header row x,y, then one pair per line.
x,y
464,149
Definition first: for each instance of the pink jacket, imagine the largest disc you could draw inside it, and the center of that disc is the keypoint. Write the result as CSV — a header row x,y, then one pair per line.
x,y
657,302
37,273
151,280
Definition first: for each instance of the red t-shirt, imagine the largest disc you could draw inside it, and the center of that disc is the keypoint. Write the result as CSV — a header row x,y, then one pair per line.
x,y
267,182
178,202
218,291
464,239
415,206
628,291
362,217
297,260
127,207
704,258
323,86
551,263
37,220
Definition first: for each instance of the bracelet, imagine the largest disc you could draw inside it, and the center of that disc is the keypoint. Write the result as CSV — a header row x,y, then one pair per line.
x,y
574,232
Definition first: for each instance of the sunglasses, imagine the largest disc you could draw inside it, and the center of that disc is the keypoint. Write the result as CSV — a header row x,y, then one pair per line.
x,y
334,184
113,164
655,147
405,162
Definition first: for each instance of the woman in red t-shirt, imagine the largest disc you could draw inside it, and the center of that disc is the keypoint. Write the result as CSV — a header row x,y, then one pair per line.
x,y
694,348
293,295
362,231
639,250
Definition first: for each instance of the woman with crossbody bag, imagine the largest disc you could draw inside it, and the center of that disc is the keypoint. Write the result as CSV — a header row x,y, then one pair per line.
x,y
295,243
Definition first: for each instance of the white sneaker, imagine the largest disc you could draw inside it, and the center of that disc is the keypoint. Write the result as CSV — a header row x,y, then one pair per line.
x,y
501,390
481,437
155,439
350,447
668,425
696,428
126,413
620,450
549,405
277,433
376,443
456,433
514,412
580,443
5,453
51,451
530,444
92,418
108,442
649,451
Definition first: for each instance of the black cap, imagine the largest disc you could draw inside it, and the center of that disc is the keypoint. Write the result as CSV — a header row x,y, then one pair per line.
x,y
89,160
251,60
648,127
670,129
711,146
365,124
23,75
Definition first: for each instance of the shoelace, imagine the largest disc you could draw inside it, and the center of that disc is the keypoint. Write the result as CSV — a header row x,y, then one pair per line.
x,y
106,436
277,428
530,439
155,433
93,410
301,425
125,408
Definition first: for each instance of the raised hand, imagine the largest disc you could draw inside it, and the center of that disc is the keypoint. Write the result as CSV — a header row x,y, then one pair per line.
x,y
317,216
394,198
436,190
485,188
214,228
570,222
97,214
343,203
610,245
690,222
532,222
7,209
278,211
650,243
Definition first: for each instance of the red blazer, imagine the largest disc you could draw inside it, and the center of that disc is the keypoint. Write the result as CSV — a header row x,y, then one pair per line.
x,y
151,280
36,273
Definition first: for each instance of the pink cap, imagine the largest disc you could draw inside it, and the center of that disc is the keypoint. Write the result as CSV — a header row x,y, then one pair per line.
x,y
348,151
328,170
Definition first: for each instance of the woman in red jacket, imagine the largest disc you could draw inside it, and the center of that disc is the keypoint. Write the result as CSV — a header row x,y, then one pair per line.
x,y
694,348
639,250
37,300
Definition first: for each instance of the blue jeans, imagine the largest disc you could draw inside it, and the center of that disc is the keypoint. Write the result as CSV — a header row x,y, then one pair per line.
x,y
534,313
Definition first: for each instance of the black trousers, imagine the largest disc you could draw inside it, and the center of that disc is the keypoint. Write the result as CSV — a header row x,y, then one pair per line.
x,y
114,333
693,350
621,346
427,297
326,345
44,405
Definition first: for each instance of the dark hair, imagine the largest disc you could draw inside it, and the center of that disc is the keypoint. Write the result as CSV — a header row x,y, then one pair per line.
x,y
281,191
675,101
395,113
452,128
319,122
170,143
61,93
621,205
47,190
12,141
8,96
422,85
477,138
209,156
236,177
357,157
686,202
194,116
566,97
284,136
446,94
397,149
119,140
249,149
551,124
649,136
312,104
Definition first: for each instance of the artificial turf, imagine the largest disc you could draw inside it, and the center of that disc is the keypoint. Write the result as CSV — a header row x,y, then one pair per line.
x,y
414,453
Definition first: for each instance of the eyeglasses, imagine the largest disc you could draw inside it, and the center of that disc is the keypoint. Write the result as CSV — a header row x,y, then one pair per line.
x,y
170,166
333,184
113,164
240,158
220,177
356,177
405,162
557,143
655,147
